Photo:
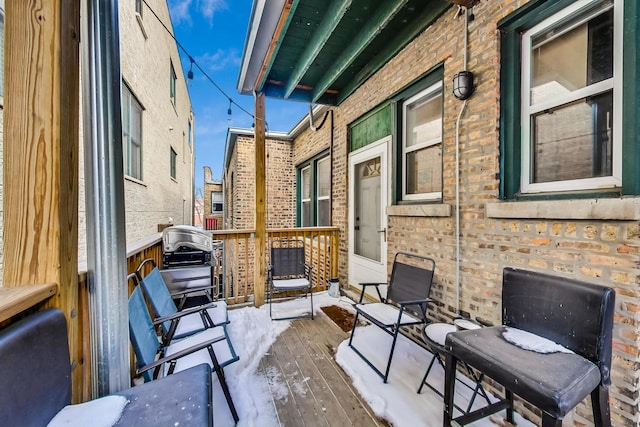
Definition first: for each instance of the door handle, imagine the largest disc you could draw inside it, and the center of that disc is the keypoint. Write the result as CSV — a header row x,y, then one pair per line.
x,y
384,230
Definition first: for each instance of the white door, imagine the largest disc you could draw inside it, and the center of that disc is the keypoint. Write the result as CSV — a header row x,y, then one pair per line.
x,y
368,198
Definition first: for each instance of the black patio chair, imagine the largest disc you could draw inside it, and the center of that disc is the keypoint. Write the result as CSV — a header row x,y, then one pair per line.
x,y
288,272
573,314
405,304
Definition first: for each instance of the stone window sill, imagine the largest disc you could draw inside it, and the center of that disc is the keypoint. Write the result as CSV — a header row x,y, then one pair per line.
x,y
620,209
430,210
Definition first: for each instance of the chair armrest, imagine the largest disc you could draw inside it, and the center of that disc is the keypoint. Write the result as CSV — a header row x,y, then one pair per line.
x,y
179,354
139,269
414,302
191,290
364,286
182,313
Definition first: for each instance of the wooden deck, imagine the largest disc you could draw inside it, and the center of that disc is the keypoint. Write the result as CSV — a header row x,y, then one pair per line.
x,y
317,392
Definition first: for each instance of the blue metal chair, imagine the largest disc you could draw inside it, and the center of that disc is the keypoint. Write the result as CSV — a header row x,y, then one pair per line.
x,y
190,320
153,358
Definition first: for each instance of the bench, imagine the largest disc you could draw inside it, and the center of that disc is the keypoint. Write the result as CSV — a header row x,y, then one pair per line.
x,y
575,315
404,305
35,382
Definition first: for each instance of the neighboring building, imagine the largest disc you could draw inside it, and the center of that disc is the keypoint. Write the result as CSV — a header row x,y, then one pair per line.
x,y
547,148
158,125
198,212
239,180
213,205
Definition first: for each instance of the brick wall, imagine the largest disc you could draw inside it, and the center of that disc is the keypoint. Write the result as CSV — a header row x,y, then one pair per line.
x,y
595,250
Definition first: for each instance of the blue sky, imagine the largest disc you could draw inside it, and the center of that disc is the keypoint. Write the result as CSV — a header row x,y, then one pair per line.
x,y
213,32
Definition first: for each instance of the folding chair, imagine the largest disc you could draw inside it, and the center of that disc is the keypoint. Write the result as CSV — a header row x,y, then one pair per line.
x,y
288,272
210,346
188,321
405,304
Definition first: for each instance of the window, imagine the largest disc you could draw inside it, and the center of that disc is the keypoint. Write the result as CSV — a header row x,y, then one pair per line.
x,y
314,192
422,145
172,161
323,191
216,202
189,132
305,197
172,84
562,127
131,133
138,7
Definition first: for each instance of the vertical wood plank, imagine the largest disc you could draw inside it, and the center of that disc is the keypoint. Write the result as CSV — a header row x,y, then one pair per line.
x,y
41,151
260,265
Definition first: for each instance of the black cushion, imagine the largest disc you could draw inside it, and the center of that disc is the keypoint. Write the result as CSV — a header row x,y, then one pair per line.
x,y
179,399
35,369
554,382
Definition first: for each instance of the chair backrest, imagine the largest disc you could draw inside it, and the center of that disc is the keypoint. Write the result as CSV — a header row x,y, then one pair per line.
x,y
35,369
575,314
410,282
287,261
159,297
141,331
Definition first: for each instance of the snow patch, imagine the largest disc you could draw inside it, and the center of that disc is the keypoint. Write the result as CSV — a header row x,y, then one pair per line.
x,y
103,412
528,341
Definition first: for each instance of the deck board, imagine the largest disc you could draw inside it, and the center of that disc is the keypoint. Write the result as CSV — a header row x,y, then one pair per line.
x,y
319,393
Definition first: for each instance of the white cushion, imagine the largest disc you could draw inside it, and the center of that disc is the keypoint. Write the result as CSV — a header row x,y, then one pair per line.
x,y
221,348
437,332
291,283
385,313
193,322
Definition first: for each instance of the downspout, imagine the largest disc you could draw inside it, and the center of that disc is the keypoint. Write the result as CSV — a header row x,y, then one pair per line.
x,y
462,110
104,193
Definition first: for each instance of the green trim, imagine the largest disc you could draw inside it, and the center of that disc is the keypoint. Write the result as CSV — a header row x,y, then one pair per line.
x,y
371,127
631,100
512,27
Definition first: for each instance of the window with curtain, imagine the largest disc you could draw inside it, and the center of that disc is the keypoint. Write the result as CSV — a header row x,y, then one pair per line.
x,y
131,133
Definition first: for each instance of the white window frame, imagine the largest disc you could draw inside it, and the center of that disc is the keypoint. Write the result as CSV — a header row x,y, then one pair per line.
x,y
172,83
217,199
173,163
318,196
431,91
304,200
129,141
527,110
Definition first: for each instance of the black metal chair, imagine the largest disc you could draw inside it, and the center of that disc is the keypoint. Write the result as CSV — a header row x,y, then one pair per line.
x,y
35,382
405,304
573,314
288,272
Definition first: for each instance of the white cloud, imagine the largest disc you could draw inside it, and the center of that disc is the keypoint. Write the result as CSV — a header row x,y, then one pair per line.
x,y
219,60
179,10
208,8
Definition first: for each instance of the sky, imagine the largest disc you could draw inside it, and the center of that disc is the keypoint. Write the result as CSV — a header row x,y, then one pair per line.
x,y
213,33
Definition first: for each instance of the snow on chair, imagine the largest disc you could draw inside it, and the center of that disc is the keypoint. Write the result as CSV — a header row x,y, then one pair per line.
x,y
405,304
553,348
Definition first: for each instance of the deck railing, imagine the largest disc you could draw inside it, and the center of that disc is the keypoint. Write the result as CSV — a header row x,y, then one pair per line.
x,y
235,254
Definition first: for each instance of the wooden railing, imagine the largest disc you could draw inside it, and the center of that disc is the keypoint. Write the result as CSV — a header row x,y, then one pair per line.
x,y
235,252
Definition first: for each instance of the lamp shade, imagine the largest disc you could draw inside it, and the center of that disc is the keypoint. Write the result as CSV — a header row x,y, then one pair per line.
x,y
463,85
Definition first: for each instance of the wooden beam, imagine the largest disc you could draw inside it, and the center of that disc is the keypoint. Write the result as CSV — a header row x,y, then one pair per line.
x,y
281,28
41,119
20,298
260,264
326,28
379,20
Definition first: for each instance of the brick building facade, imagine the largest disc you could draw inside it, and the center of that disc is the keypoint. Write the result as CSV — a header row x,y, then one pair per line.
x,y
587,235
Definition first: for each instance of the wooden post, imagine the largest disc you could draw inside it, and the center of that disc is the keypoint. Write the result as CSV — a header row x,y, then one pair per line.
x,y
260,265
41,116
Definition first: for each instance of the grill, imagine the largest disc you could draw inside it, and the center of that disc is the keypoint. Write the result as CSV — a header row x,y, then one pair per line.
x,y
184,245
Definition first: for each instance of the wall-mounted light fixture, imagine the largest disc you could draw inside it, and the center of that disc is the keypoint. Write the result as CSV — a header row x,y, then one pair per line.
x,y
463,85
190,72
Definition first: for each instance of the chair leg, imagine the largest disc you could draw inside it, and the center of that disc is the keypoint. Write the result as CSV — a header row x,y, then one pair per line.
x,y
508,395
449,388
311,292
393,346
424,379
549,421
353,329
600,404
223,383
